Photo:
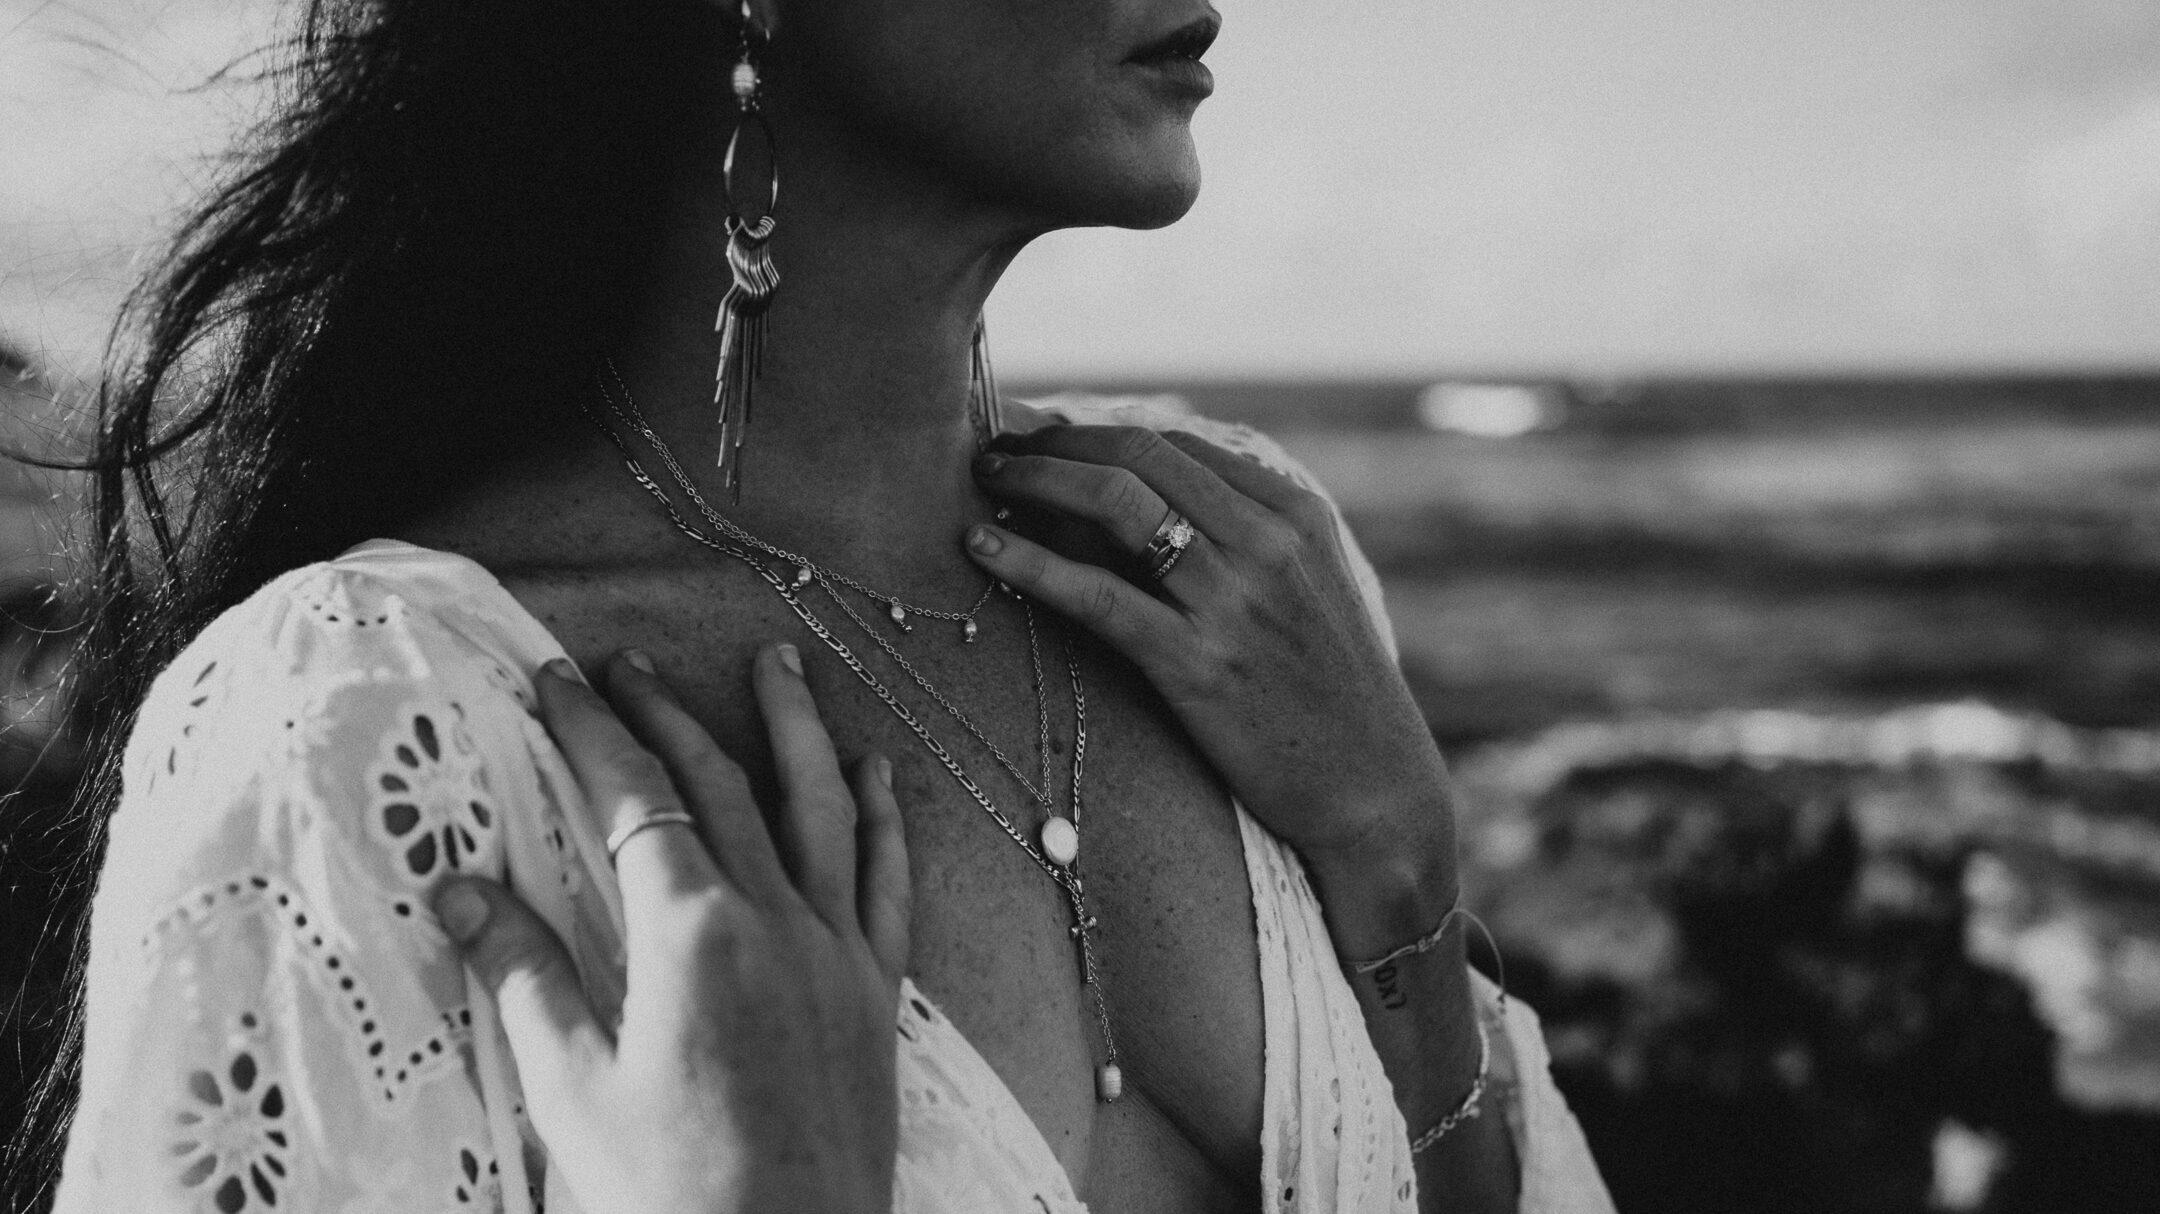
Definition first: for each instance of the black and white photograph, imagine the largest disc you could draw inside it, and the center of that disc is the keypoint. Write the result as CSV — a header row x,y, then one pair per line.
x,y
1079,607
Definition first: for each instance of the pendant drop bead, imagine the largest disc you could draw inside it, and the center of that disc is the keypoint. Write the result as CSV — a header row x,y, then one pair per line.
x,y
802,576
1060,841
968,631
1109,1083
899,616
744,81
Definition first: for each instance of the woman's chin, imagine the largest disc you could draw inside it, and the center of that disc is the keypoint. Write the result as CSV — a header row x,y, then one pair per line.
x,y
1153,188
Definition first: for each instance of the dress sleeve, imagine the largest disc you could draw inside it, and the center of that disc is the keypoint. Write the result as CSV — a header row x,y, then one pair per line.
x,y
275,1020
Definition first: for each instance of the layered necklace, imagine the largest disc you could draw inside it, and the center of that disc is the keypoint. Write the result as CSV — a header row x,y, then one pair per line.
x,y
1055,849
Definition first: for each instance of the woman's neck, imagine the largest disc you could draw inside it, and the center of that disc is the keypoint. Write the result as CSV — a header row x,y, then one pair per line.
x,y
861,431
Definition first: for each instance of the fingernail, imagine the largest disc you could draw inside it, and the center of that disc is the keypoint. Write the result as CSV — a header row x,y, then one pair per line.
x,y
561,668
462,910
884,772
639,658
985,541
990,463
791,659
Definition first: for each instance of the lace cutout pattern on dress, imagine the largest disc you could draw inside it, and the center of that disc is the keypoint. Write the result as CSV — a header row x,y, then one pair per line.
x,y
431,802
479,1181
334,975
229,1137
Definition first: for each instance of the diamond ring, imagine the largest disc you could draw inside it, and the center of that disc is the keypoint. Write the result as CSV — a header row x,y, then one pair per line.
x,y
1172,536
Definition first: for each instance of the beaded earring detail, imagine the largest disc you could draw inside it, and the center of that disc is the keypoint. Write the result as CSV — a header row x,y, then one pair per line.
x,y
741,322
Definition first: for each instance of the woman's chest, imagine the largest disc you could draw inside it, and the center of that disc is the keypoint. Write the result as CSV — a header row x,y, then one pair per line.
x,y
1160,865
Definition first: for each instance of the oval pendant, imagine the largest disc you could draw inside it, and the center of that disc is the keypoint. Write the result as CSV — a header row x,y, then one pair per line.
x,y
1109,1083
802,576
1060,841
899,616
967,631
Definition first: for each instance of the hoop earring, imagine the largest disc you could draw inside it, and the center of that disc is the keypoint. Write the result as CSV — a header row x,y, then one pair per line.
x,y
741,321
982,391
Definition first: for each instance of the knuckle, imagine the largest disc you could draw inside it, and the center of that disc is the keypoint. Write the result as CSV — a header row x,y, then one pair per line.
x,y
1033,564
1100,603
1122,493
1134,444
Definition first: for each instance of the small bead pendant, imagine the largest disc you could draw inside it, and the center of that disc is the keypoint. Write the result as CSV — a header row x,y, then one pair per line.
x,y
899,616
967,631
744,80
1109,1083
802,576
1060,841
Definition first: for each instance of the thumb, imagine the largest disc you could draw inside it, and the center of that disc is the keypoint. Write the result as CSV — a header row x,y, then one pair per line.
x,y
554,1035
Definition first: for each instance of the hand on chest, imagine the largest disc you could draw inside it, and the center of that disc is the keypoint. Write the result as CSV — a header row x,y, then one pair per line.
x,y
1159,851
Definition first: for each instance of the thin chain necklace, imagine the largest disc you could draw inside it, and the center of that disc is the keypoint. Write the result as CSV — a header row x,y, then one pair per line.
x,y
1058,855
805,568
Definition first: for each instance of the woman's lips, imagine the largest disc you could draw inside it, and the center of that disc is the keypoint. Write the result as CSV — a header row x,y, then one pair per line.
x,y
1180,73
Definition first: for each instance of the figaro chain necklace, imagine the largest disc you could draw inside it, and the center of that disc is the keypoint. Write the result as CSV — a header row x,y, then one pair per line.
x,y
1058,855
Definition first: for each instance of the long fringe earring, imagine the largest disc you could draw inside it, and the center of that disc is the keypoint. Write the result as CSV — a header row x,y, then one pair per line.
x,y
982,391
741,322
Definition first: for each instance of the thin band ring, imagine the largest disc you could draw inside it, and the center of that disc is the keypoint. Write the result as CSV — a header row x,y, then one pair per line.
x,y
659,817
1172,537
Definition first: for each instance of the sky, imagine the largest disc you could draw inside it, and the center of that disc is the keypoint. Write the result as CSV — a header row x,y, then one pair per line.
x,y
1412,187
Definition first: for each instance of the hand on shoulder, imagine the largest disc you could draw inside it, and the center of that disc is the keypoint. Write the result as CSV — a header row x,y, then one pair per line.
x,y
753,1068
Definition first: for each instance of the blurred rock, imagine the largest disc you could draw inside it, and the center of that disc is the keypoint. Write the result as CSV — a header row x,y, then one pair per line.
x,y
1764,942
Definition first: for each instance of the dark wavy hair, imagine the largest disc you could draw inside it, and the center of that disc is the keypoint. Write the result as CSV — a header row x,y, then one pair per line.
x,y
404,276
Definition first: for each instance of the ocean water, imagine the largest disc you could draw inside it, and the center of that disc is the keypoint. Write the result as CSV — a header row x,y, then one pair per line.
x,y
1809,734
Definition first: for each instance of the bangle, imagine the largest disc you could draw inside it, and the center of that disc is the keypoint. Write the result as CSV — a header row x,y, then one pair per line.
x,y
1469,1106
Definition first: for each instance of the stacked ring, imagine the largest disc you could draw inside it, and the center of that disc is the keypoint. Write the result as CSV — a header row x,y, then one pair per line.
x,y
659,817
1172,537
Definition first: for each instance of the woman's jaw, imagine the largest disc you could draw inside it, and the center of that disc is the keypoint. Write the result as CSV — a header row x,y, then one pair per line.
x,y
1051,113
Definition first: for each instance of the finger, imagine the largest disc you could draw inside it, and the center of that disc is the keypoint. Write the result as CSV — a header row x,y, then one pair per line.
x,y
1093,468
1135,623
815,828
554,1034
702,774
884,895
1244,473
623,782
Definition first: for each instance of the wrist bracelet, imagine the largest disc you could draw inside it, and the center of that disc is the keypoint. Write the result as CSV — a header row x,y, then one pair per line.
x,y
1431,940
1423,944
1469,1106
